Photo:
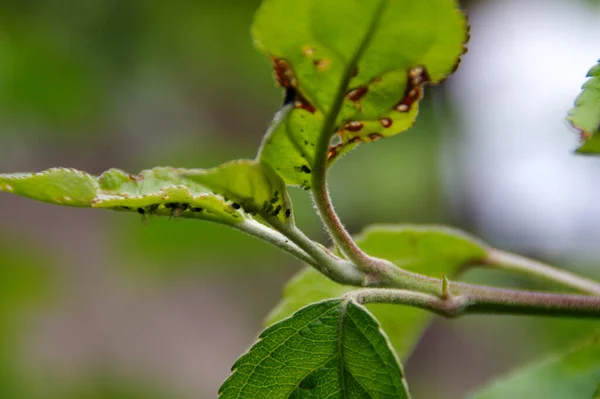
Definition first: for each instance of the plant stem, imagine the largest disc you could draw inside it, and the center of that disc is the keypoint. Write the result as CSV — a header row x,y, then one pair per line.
x,y
502,260
339,234
275,238
449,299
488,300
337,269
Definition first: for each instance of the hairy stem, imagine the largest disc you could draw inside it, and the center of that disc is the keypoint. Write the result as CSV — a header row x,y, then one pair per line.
x,y
339,234
337,269
502,260
488,300
273,237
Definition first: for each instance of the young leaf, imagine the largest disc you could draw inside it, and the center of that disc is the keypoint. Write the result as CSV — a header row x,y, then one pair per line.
x,y
352,67
158,191
429,250
252,185
575,374
329,349
585,116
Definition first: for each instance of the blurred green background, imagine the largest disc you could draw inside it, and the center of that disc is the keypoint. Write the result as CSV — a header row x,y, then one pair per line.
x,y
98,305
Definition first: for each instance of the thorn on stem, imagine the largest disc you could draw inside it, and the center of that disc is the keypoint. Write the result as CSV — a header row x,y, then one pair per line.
x,y
445,287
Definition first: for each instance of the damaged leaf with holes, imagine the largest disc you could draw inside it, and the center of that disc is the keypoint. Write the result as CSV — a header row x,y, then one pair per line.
x,y
352,68
585,115
161,191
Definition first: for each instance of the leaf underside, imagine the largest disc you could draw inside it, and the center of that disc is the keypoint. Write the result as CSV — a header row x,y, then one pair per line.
x,y
252,185
385,50
162,191
575,374
585,115
331,349
430,250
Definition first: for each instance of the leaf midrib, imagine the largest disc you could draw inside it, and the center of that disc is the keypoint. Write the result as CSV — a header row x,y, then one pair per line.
x,y
330,118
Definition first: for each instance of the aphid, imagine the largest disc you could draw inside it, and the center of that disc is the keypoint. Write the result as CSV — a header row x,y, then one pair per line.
x,y
276,211
235,205
275,197
142,213
288,213
176,208
152,208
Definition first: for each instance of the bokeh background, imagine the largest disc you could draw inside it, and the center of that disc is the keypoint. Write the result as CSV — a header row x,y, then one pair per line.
x,y
98,305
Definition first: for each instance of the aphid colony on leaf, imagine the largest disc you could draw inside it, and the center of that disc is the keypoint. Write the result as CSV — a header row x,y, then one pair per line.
x,y
176,209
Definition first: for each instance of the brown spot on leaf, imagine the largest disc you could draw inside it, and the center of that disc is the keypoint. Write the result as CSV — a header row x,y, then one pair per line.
x,y
416,78
353,126
301,102
322,64
357,94
308,51
283,73
354,140
333,151
375,136
386,122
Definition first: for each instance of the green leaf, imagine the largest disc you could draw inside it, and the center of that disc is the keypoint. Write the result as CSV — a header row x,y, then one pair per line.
x,y
330,349
159,191
430,250
58,186
575,374
585,116
359,64
597,393
252,185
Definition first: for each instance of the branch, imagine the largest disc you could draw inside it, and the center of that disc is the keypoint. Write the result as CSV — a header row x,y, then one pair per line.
x,y
486,300
502,260
337,269
273,237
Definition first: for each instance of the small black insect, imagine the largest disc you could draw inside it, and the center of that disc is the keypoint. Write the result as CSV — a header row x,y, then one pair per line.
x,y
288,213
142,213
235,205
175,208
276,211
275,197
